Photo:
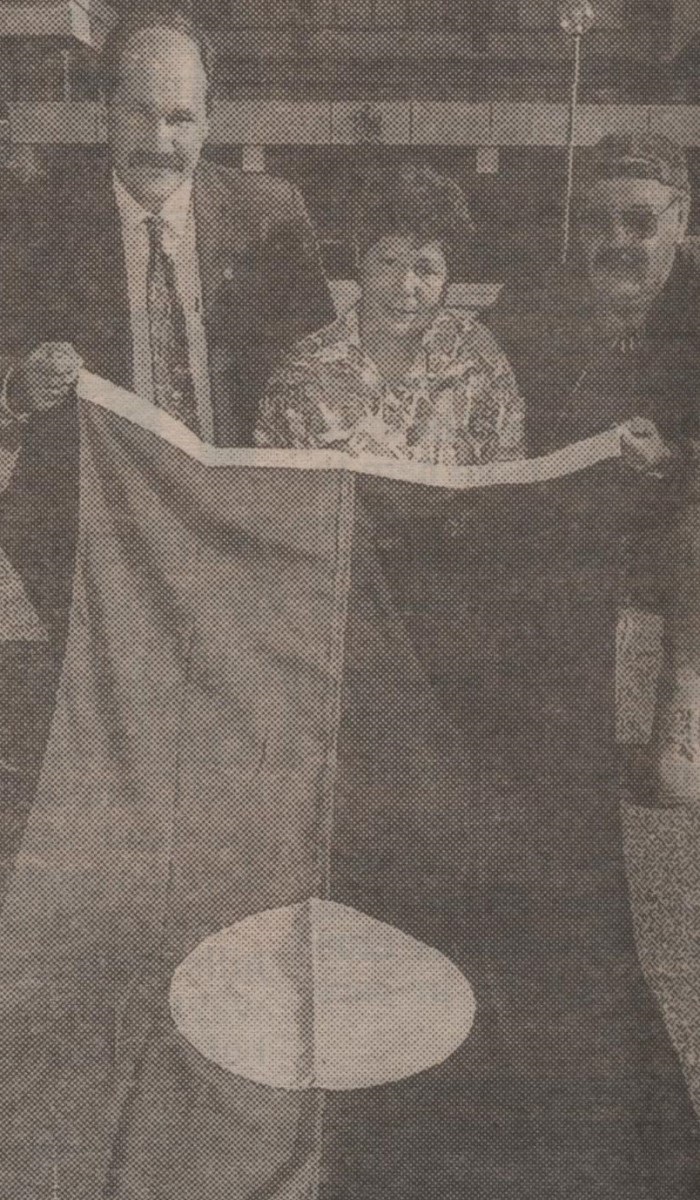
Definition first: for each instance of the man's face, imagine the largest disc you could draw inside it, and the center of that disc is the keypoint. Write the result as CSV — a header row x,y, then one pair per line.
x,y
628,231
158,115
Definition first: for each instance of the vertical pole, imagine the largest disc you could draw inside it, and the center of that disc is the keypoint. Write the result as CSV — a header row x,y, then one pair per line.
x,y
571,143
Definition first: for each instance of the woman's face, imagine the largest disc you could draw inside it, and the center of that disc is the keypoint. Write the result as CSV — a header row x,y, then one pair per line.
x,y
402,284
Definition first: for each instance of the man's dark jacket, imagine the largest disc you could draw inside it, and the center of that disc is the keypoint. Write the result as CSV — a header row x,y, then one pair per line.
x,y
577,380
263,288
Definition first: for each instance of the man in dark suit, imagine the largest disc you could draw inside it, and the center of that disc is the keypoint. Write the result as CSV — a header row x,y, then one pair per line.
x,y
239,247
612,334
178,278
611,337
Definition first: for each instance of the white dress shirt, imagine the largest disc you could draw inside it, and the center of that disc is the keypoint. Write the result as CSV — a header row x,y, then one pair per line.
x,y
17,617
179,242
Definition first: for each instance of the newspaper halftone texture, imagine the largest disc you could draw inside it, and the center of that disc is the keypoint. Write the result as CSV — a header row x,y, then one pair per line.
x,y
343,876
263,709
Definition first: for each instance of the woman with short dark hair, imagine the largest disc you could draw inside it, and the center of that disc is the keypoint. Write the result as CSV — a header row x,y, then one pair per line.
x,y
400,376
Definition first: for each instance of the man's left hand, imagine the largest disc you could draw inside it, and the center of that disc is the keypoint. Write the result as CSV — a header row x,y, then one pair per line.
x,y
644,448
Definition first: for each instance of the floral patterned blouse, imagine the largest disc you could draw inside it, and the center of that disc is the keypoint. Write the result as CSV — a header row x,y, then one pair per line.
x,y
458,404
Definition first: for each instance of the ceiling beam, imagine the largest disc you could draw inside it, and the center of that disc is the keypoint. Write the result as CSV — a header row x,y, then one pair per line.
x,y
392,123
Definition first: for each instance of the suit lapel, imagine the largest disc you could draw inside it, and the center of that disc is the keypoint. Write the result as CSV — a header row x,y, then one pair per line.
x,y
209,218
227,237
223,236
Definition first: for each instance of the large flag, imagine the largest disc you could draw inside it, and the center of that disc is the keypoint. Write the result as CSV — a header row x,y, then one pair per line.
x,y
323,893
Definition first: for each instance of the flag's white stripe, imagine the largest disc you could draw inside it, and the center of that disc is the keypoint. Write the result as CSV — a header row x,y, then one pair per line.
x,y
140,412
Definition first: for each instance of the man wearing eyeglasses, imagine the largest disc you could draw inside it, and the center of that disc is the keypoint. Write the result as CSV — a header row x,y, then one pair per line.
x,y
609,338
612,335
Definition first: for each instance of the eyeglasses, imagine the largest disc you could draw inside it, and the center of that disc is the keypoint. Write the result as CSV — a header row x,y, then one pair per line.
x,y
640,222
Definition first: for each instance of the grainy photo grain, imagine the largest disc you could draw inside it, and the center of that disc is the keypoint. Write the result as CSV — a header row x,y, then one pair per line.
x,y
349,600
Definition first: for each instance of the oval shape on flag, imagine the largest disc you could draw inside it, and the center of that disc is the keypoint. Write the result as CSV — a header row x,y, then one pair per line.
x,y
320,995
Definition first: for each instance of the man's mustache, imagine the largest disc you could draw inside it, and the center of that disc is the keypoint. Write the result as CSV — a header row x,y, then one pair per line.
x,y
622,259
158,162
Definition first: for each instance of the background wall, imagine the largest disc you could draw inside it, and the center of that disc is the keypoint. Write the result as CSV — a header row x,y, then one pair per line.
x,y
307,87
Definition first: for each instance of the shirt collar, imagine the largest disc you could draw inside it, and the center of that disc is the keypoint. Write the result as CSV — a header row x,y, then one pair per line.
x,y
348,326
173,214
346,330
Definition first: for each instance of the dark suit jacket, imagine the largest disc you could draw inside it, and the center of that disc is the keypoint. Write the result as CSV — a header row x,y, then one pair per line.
x,y
262,283
576,384
263,288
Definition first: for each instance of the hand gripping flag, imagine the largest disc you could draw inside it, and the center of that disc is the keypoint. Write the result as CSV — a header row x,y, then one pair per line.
x,y
323,894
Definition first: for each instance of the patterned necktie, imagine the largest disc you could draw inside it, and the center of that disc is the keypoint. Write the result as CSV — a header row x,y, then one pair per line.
x,y
173,387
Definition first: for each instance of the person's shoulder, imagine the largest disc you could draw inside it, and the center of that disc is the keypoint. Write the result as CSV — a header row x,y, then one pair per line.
x,y
317,346
71,208
465,323
470,325
476,339
314,356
